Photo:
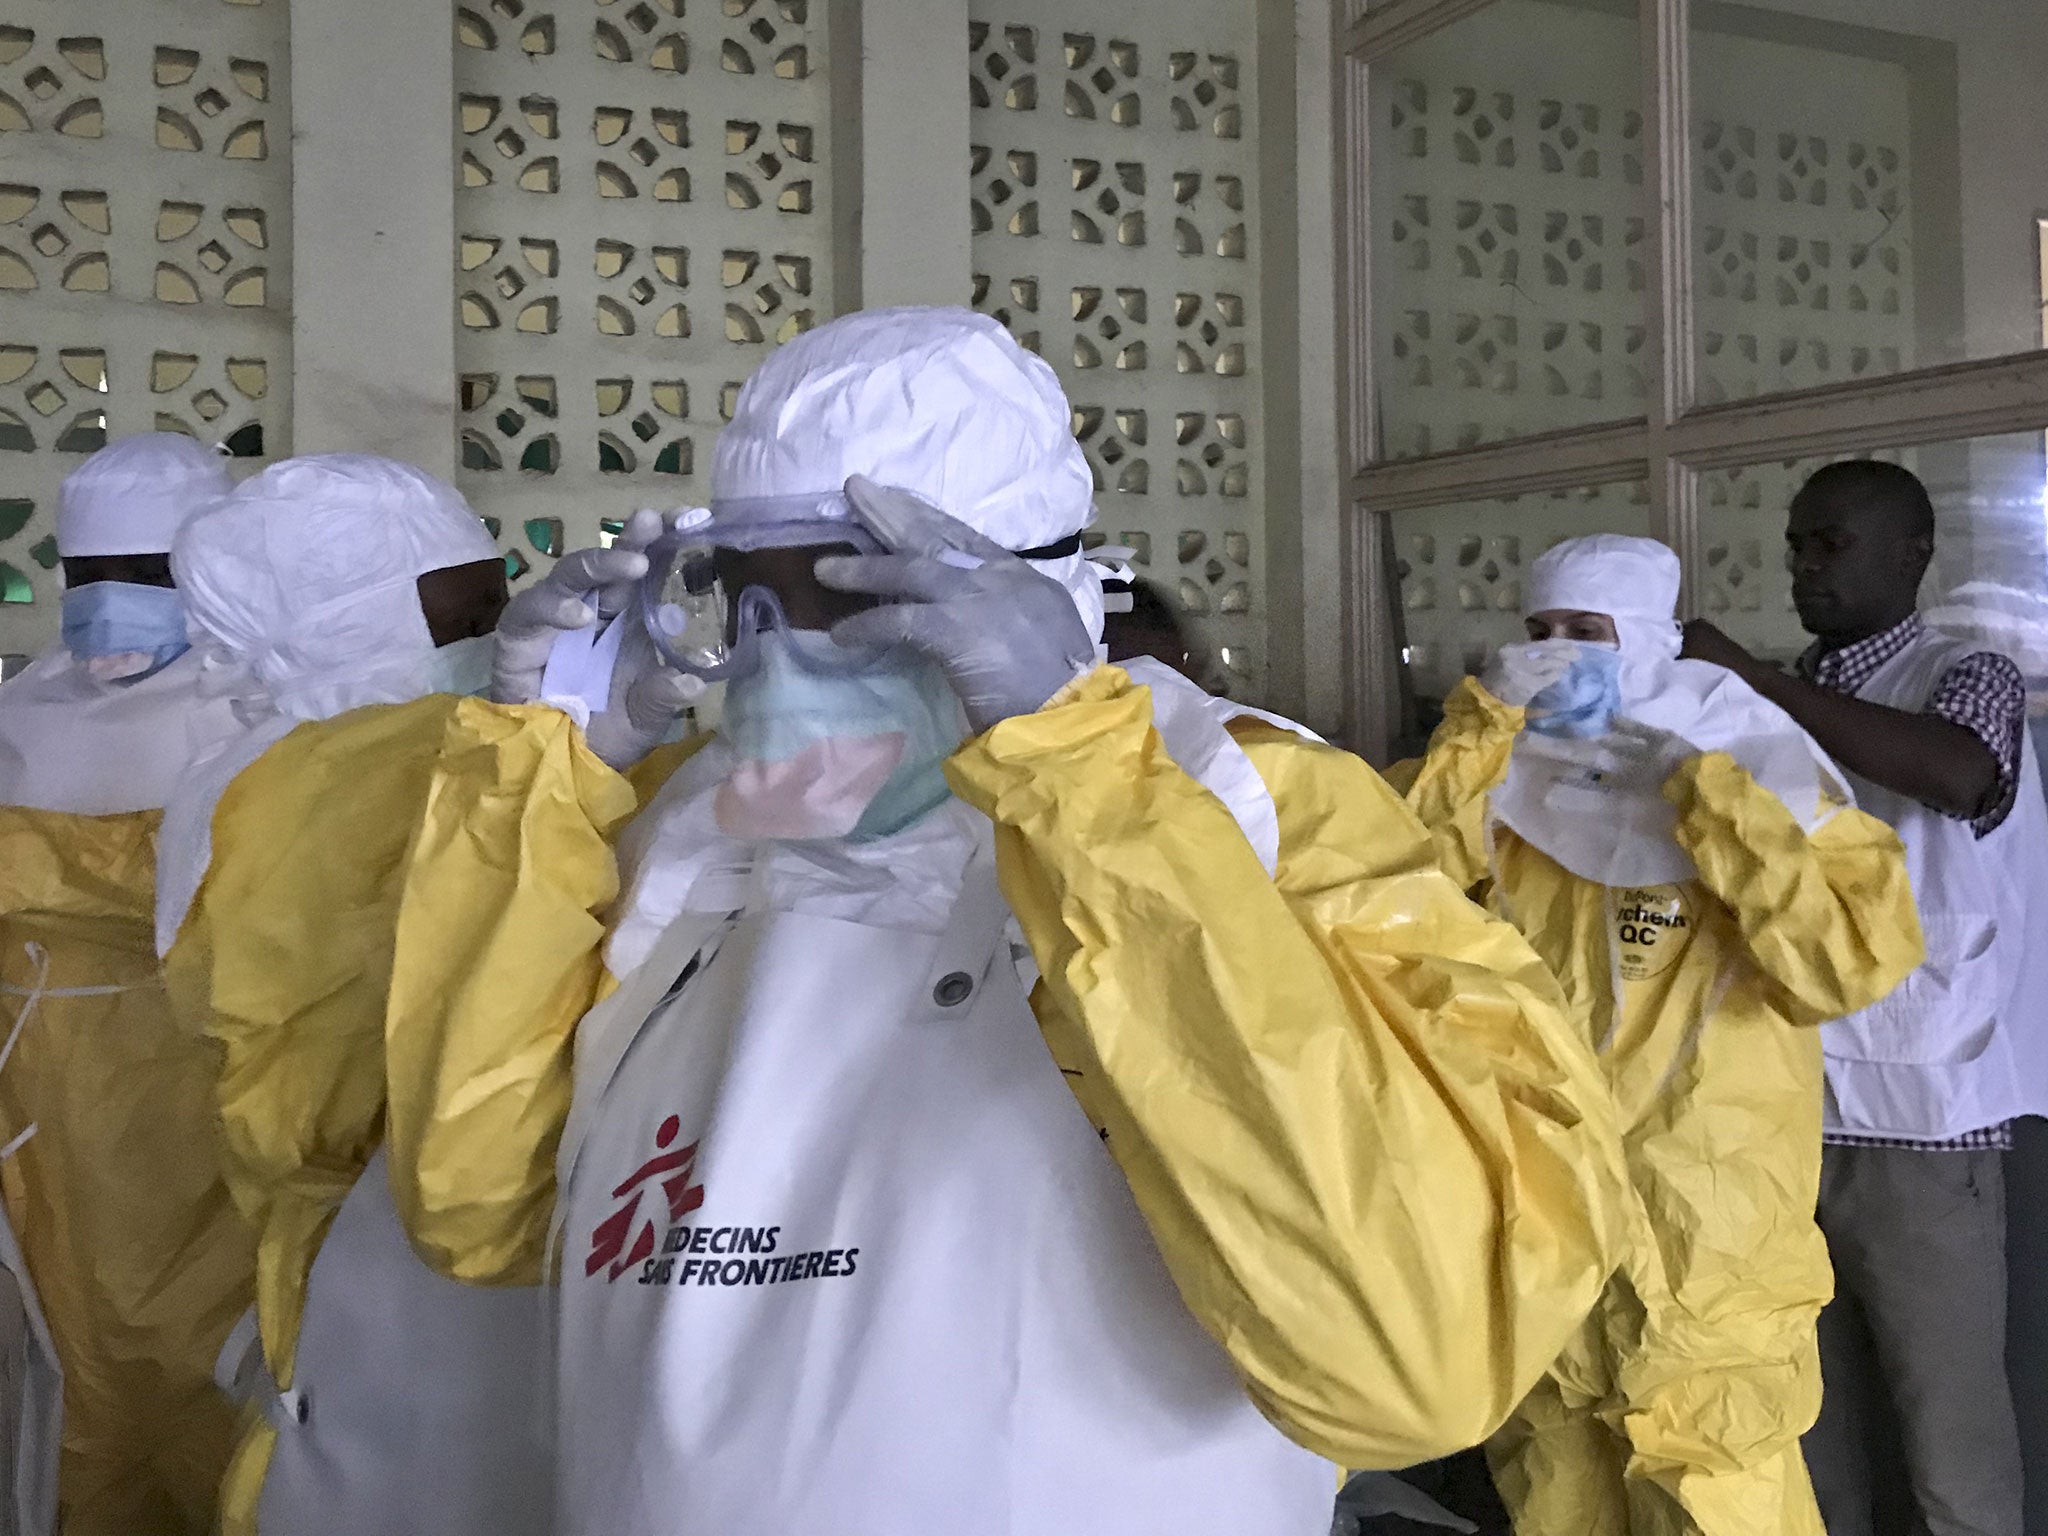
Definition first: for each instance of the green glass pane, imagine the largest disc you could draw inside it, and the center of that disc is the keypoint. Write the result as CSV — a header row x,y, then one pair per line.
x,y
516,566
14,517
670,460
14,587
44,552
545,534
611,527
494,526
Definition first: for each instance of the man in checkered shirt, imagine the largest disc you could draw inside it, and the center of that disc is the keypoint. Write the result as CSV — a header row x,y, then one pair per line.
x,y
1915,1224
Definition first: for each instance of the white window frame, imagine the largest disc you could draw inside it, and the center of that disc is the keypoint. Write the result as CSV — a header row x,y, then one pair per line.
x,y
1670,447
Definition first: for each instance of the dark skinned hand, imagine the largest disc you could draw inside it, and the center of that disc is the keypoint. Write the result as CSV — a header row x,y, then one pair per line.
x,y
1705,642
1928,759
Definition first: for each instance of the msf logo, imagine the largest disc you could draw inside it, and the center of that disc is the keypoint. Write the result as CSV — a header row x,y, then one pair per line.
x,y
623,1238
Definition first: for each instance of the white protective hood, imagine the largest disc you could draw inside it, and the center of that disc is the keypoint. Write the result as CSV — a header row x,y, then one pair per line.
x,y
942,403
133,496
303,599
305,578
1597,806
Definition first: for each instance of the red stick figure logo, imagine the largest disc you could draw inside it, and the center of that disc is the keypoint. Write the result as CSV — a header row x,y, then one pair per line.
x,y
676,1174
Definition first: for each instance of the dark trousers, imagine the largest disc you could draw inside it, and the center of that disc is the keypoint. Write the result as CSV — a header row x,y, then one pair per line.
x,y
1918,1244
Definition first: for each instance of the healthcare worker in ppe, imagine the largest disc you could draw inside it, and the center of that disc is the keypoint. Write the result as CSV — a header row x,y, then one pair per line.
x,y
324,584
111,1169
1688,864
840,1245
105,720
382,1398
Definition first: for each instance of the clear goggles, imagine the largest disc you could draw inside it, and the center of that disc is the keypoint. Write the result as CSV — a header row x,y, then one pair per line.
x,y
725,577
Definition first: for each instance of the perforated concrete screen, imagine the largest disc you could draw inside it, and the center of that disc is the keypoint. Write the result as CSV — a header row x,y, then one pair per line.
x,y
540,243
1806,241
145,181
643,210
1115,215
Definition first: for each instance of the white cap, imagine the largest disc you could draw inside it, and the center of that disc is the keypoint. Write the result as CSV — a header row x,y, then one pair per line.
x,y
307,576
940,402
1633,581
133,496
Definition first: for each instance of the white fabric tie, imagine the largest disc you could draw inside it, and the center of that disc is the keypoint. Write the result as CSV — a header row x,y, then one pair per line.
x,y
39,957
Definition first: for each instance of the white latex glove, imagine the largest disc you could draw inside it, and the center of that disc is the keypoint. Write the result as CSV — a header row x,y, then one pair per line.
x,y
1007,637
586,587
1518,673
1666,751
647,698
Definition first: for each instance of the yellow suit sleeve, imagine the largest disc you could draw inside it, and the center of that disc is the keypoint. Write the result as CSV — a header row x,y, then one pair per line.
x,y
285,961
1380,1167
393,943
496,958
1828,916
1467,759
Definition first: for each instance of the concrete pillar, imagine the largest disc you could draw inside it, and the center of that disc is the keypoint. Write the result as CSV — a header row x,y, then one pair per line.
x,y
911,117
373,230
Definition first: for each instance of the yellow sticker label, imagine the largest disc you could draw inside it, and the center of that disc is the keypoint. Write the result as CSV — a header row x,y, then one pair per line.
x,y
1652,925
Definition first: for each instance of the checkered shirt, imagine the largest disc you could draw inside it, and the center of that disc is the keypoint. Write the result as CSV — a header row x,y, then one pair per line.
x,y
1985,695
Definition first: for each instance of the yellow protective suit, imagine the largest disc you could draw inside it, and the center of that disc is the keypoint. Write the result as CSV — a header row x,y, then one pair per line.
x,y
1679,1407
142,1265
1377,1158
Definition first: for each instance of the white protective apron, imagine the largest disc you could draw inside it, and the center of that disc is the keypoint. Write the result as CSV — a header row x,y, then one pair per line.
x,y
69,742
841,1253
416,1403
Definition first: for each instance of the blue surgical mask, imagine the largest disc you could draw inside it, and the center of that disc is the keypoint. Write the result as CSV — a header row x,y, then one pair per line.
x,y
1585,700
825,755
461,666
106,619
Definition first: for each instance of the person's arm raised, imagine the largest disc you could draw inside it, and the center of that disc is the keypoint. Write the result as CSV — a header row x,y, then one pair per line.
x,y
1940,764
